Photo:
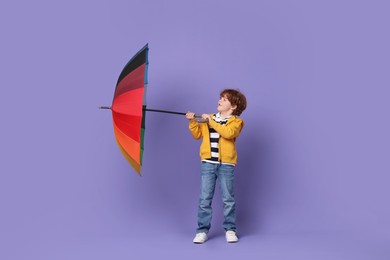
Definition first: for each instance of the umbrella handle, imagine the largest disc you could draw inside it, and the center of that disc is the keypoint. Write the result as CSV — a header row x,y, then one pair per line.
x,y
202,120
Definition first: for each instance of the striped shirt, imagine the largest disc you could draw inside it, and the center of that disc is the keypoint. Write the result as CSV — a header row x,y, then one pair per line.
x,y
214,140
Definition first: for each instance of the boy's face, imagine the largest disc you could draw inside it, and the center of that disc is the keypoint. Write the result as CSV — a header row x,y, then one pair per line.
x,y
224,105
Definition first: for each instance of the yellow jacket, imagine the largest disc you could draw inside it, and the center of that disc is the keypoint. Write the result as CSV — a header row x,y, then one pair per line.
x,y
228,135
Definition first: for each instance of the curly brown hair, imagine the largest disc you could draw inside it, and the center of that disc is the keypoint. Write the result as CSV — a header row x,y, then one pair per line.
x,y
236,98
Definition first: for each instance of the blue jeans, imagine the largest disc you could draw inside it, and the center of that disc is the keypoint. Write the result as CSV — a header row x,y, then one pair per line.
x,y
225,176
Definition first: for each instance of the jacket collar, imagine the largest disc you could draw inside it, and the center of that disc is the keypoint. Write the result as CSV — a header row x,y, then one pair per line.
x,y
230,118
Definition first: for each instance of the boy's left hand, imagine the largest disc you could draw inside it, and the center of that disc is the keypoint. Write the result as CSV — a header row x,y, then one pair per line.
x,y
206,117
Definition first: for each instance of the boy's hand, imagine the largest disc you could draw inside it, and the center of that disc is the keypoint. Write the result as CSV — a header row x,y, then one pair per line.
x,y
190,115
206,117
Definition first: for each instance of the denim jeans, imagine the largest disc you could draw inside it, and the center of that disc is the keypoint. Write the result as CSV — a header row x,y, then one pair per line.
x,y
210,173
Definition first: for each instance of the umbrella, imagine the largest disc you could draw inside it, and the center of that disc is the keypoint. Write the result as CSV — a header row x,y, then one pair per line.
x,y
129,107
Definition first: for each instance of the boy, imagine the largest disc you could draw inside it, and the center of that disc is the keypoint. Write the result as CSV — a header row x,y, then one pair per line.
x,y
218,155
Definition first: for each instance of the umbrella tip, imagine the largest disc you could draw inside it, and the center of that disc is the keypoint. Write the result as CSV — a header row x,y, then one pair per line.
x,y
104,107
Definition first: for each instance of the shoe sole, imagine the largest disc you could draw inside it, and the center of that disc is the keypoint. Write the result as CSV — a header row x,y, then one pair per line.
x,y
198,242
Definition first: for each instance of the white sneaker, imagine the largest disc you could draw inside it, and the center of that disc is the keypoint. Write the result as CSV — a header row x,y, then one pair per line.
x,y
231,236
200,238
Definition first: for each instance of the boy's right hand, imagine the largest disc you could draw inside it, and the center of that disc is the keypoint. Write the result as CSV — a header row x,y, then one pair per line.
x,y
190,115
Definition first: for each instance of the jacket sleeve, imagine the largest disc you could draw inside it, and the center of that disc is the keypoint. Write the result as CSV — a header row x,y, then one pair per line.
x,y
195,129
228,131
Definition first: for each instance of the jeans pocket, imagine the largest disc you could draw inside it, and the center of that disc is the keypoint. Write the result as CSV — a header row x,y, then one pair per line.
x,y
227,169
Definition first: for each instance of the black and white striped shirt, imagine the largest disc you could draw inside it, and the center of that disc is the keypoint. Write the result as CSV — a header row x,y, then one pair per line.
x,y
214,140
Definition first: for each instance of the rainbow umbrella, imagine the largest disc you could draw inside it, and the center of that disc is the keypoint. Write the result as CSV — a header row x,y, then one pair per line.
x,y
129,107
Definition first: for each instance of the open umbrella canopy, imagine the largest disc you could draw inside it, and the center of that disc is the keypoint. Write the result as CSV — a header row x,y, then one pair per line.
x,y
127,108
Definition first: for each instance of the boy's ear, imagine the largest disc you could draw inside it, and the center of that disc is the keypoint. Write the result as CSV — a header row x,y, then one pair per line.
x,y
234,107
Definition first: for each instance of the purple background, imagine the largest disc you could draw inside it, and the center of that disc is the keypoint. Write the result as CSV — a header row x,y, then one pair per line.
x,y
313,173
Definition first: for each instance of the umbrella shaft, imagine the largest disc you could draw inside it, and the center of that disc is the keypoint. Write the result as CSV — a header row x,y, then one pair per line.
x,y
157,110
168,112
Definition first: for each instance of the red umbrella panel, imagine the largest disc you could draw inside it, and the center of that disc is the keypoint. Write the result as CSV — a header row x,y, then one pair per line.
x,y
128,111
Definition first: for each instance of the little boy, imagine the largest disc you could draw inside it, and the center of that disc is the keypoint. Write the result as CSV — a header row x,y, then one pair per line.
x,y
219,157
